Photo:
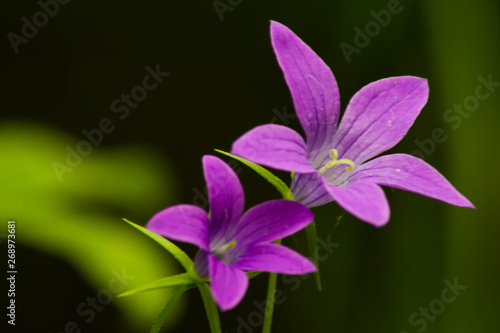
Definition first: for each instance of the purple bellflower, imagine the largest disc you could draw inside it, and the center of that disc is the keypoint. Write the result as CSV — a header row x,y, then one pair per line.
x,y
232,242
335,163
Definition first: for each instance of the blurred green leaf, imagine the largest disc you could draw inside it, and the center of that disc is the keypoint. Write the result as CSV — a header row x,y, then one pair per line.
x,y
78,219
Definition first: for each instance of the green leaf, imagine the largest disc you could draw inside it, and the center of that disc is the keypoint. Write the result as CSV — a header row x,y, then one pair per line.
x,y
178,254
161,317
264,173
184,279
312,244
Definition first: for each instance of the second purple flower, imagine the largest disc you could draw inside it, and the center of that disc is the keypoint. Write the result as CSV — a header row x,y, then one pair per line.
x,y
231,242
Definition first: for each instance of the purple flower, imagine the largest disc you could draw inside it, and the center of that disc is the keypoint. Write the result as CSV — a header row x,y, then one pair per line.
x,y
335,163
231,242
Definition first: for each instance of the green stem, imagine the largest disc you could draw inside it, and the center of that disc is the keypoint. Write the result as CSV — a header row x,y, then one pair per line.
x,y
271,291
312,244
210,308
161,317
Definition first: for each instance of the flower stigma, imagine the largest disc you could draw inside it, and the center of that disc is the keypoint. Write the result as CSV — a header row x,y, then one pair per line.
x,y
334,162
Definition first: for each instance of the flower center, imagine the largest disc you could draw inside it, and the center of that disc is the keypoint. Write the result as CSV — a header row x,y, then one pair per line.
x,y
334,162
221,251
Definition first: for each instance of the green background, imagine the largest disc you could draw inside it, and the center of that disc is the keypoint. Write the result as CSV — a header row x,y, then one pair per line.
x,y
223,81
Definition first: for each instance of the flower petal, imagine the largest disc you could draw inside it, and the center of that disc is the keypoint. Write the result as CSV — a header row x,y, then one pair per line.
x,y
185,223
366,201
411,174
228,284
226,196
275,258
313,87
308,189
275,146
379,116
272,220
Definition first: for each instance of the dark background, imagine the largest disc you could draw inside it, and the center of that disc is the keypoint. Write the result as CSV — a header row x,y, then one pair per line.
x,y
224,80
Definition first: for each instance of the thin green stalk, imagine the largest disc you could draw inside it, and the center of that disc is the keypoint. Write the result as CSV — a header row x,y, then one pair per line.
x,y
161,317
312,243
271,291
210,308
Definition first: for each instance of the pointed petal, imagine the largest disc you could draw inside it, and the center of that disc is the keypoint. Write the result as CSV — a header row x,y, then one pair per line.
x,y
225,194
275,258
411,174
185,223
272,220
379,116
313,87
275,146
366,201
228,284
309,190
